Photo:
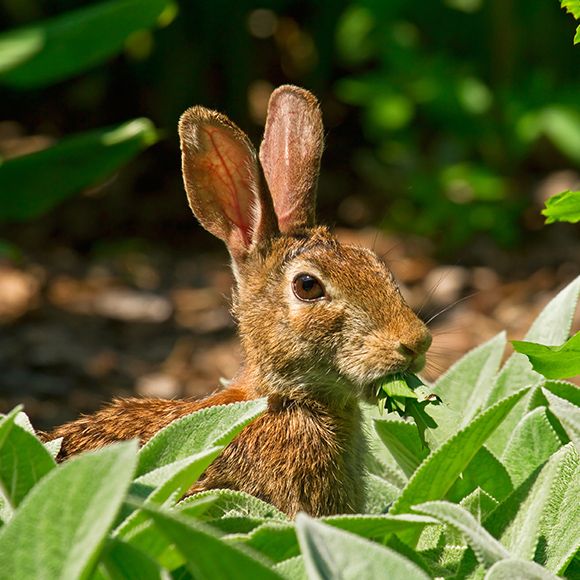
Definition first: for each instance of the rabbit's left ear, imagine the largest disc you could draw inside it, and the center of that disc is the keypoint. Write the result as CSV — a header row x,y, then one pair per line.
x,y
290,156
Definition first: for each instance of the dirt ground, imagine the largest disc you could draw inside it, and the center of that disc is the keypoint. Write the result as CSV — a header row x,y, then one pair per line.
x,y
76,332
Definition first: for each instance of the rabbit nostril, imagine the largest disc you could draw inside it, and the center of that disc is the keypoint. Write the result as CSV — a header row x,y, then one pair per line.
x,y
406,351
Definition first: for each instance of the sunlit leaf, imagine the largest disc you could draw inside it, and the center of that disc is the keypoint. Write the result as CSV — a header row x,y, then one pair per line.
x,y
59,529
554,362
65,45
563,207
32,184
335,554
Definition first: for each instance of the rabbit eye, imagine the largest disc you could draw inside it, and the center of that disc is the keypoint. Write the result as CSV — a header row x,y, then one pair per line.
x,y
307,288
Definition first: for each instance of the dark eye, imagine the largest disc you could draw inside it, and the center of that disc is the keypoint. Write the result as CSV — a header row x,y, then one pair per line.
x,y
307,287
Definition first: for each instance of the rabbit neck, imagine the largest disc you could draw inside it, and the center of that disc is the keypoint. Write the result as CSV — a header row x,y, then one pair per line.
x,y
298,389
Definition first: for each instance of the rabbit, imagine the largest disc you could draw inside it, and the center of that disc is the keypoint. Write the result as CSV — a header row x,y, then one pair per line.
x,y
321,323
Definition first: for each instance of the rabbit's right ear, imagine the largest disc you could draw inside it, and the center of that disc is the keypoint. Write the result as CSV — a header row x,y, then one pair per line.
x,y
222,181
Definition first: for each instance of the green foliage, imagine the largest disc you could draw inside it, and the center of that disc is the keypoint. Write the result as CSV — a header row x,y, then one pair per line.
x,y
66,45
453,124
53,50
554,362
453,507
573,7
32,184
563,207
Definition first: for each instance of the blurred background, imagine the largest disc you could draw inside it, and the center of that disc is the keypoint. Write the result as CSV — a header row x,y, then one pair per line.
x,y
448,125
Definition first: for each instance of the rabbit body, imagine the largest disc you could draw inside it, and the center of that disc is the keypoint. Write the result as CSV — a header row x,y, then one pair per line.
x,y
321,323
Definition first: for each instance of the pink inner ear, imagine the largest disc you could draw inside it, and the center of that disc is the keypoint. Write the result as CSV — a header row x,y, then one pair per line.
x,y
224,169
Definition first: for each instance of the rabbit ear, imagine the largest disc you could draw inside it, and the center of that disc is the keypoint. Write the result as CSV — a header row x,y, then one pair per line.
x,y
290,155
222,180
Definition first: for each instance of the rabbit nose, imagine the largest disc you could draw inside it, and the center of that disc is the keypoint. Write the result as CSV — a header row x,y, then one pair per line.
x,y
417,347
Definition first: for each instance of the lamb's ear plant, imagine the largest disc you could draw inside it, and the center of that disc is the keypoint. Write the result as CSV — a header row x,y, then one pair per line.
x,y
488,489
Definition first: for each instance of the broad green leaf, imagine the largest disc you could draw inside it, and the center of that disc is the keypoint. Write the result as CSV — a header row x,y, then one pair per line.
x,y
403,441
479,504
60,528
379,460
335,554
572,7
439,471
23,421
530,506
487,549
292,568
278,541
207,556
512,569
275,540
167,483
484,471
124,562
149,540
568,415
177,477
379,526
23,463
7,423
531,445
560,525
230,503
69,166
563,207
564,390
55,49
196,432
550,328
53,446
465,386
554,362
379,494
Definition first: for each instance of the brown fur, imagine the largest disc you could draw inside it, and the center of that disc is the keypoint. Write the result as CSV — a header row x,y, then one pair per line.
x,y
313,360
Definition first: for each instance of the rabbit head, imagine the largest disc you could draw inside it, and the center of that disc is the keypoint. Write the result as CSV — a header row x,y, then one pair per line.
x,y
318,319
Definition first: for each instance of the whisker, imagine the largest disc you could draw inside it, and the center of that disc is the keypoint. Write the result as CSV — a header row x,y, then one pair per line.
x,y
451,306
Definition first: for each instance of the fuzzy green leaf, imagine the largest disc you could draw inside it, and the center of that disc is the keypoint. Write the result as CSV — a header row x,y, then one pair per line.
x,y
292,568
197,432
379,494
149,540
532,507
554,362
275,540
465,386
439,471
531,445
124,562
487,549
479,504
403,441
512,569
207,556
484,471
167,483
69,166
551,328
230,503
568,415
55,49
60,528
23,463
335,554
